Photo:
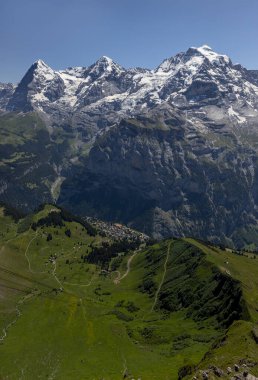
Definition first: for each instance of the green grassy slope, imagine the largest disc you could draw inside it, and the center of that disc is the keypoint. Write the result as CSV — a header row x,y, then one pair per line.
x,y
238,345
155,311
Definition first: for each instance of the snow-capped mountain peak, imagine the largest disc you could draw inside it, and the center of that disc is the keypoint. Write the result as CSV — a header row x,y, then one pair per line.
x,y
205,48
40,63
104,65
106,59
193,58
210,54
44,71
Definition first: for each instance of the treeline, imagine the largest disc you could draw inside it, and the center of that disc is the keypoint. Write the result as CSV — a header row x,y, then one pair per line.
x,y
52,219
68,217
57,219
12,211
103,254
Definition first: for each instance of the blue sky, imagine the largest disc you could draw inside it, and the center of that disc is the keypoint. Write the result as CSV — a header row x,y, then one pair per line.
x,y
133,32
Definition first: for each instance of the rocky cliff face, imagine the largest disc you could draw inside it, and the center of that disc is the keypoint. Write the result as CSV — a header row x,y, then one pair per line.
x,y
171,151
162,176
6,92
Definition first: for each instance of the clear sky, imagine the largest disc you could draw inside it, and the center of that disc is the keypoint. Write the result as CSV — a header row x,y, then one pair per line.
x,y
133,32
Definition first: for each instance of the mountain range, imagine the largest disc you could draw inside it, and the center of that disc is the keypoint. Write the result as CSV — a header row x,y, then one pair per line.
x,y
170,151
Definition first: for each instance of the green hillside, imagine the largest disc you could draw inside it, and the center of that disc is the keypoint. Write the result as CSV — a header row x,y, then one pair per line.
x,y
77,305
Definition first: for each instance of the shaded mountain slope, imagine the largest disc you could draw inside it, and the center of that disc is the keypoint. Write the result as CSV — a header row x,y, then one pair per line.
x,y
161,175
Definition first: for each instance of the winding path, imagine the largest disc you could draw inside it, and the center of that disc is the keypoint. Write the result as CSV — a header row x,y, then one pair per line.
x,y
119,277
18,314
125,367
25,253
163,278
55,276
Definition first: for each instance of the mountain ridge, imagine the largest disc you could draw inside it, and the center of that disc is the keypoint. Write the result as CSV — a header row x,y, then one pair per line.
x,y
107,66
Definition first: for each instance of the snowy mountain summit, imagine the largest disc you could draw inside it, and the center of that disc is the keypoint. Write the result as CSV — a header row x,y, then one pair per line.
x,y
212,56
